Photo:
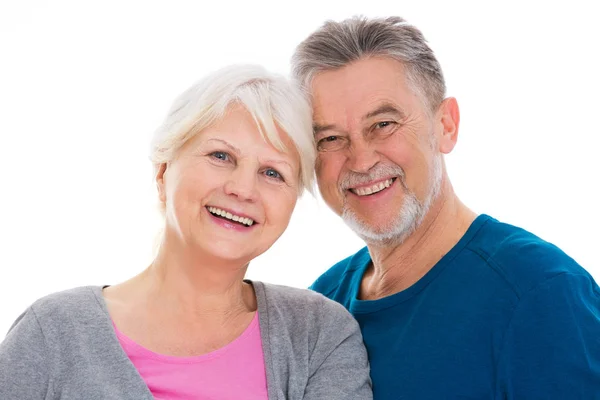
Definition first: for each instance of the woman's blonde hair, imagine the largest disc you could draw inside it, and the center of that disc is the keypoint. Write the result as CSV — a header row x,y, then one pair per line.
x,y
271,99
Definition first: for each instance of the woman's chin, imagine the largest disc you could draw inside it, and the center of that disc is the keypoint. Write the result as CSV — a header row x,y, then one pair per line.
x,y
229,253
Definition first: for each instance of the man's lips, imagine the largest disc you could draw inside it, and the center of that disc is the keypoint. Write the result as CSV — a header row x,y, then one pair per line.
x,y
372,187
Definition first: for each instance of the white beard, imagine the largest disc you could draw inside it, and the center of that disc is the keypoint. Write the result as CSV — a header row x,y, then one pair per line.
x,y
409,217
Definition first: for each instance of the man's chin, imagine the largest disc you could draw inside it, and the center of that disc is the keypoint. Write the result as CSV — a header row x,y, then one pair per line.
x,y
381,229
369,230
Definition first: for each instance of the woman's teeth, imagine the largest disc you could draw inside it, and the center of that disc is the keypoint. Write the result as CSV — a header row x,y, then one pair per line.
x,y
230,216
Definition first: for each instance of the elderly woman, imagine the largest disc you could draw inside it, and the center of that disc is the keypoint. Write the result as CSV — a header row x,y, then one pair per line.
x,y
231,159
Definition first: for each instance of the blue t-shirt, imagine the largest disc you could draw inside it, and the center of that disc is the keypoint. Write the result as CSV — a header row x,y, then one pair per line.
x,y
502,315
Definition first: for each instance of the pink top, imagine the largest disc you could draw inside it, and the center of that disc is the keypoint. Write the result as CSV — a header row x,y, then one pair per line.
x,y
233,372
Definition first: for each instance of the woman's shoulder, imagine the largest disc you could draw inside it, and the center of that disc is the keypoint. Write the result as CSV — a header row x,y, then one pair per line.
x,y
68,299
291,303
67,304
315,336
59,316
291,296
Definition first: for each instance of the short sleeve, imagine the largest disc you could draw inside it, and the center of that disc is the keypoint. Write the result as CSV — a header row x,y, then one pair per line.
x,y
551,348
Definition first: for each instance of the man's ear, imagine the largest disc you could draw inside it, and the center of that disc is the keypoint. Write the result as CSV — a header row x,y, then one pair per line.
x,y
160,182
450,118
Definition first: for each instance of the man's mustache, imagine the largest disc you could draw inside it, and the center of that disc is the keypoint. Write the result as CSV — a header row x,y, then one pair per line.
x,y
378,172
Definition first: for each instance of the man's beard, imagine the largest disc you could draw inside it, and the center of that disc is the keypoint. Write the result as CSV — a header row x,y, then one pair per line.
x,y
409,216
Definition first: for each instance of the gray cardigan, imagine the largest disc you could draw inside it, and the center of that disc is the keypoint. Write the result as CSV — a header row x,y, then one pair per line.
x,y
64,347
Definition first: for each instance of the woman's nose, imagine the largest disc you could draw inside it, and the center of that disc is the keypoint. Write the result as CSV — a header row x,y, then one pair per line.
x,y
242,184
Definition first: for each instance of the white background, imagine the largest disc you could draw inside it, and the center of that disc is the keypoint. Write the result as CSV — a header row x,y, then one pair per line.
x,y
83,85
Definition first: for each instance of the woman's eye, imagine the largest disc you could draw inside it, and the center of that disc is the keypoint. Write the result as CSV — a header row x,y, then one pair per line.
x,y
384,124
271,173
220,155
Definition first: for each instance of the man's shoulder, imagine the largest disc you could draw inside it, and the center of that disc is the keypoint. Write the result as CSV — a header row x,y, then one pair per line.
x,y
344,270
520,257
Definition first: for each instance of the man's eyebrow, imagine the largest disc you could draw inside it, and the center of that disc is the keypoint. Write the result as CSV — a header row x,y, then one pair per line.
x,y
321,128
385,108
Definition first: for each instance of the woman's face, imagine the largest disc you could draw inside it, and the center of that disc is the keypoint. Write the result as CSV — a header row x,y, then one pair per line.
x,y
229,194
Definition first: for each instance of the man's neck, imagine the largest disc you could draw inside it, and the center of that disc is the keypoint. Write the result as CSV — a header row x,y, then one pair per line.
x,y
396,267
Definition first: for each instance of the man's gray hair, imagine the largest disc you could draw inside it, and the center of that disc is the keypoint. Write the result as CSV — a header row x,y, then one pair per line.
x,y
337,44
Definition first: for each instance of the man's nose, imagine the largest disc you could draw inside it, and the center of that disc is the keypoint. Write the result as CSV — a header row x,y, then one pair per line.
x,y
362,156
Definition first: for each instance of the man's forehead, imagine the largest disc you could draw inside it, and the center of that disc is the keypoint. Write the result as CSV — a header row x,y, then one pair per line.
x,y
362,74
360,108
358,88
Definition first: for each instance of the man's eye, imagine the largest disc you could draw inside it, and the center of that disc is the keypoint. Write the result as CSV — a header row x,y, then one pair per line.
x,y
383,129
271,173
220,155
331,143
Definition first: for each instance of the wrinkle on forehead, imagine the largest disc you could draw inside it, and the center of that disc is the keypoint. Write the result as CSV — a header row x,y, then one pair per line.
x,y
344,96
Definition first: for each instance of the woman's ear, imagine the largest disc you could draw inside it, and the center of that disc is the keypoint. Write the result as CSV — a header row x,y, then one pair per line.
x,y
160,182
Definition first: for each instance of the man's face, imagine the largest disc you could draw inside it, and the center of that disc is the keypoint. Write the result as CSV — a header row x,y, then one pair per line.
x,y
378,164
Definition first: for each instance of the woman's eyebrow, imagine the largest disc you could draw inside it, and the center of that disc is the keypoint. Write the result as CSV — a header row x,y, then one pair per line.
x,y
229,145
278,162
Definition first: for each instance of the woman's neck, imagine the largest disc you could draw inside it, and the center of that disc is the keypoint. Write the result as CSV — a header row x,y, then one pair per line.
x,y
189,286
196,284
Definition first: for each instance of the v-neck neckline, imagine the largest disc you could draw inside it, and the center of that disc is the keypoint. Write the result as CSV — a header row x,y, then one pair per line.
x,y
115,348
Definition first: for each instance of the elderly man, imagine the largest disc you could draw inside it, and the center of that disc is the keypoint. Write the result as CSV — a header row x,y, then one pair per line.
x,y
451,304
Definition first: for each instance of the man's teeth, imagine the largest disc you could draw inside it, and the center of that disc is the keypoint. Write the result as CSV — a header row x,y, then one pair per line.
x,y
233,217
378,187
